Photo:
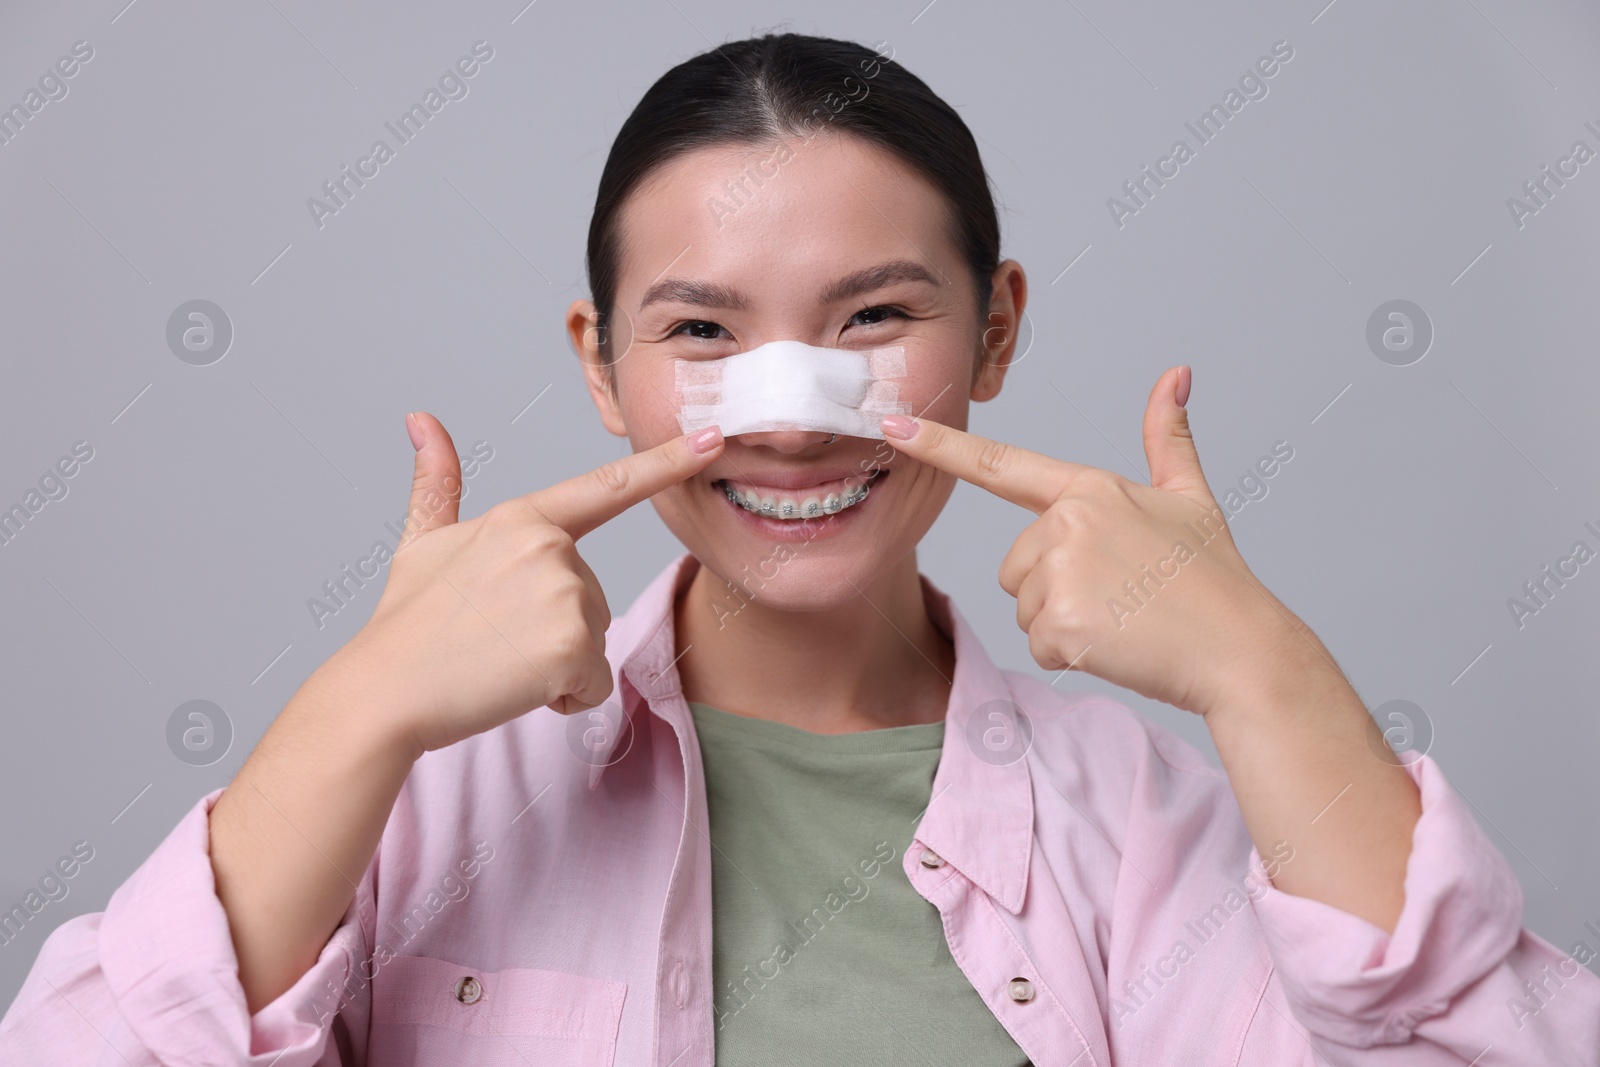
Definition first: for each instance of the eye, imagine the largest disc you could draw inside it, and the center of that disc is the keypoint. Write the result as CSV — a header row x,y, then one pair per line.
x,y
694,325
881,312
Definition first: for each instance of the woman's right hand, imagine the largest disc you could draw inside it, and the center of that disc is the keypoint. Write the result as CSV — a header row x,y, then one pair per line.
x,y
483,620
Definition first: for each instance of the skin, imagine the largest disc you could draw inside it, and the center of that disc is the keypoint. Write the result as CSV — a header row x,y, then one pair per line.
x,y
481,620
1294,737
852,601
478,622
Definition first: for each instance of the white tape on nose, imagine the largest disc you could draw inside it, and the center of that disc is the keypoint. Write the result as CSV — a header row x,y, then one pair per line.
x,y
790,385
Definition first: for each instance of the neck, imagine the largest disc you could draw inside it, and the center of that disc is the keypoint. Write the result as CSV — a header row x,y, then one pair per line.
x,y
877,660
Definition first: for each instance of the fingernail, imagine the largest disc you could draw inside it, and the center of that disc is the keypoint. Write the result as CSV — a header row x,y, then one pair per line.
x,y
414,430
900,427
1185,380
703,441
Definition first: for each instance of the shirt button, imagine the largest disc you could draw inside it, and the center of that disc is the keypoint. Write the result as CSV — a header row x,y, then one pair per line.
x,y
1020,990
469,990
930,858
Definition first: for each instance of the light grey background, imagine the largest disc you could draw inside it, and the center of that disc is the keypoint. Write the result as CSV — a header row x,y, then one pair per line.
x,y
220,498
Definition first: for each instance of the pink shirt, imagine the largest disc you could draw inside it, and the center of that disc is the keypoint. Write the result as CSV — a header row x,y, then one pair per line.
x,y
542,895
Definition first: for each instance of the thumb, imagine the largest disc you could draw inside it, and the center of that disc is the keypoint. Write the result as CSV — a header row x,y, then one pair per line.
x,y
436,479
1168,444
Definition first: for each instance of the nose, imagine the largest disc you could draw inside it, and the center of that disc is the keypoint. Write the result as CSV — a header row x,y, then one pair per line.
x,y
786,441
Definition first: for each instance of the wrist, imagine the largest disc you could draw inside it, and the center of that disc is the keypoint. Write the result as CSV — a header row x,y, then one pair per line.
x,y
1278,661
351,705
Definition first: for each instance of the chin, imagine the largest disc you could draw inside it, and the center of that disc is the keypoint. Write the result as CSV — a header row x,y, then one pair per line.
x,y
789,577
818,574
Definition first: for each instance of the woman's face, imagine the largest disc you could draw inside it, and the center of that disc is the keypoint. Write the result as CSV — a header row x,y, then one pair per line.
x,y
840,246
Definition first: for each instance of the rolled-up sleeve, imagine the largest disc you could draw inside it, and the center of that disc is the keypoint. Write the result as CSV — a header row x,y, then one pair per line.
x,y
153,979
1459,970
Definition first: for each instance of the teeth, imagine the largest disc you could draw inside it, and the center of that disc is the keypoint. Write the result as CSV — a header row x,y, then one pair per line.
x,y
788,508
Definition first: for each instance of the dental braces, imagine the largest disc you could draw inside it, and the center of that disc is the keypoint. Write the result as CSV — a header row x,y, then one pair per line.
x,y
788,509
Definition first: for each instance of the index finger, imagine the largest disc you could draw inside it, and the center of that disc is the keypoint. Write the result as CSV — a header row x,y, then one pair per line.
x,y
579,505
1029,479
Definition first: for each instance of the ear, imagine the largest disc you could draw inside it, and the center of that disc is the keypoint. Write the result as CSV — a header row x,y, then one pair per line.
x,y
584,331
1002,325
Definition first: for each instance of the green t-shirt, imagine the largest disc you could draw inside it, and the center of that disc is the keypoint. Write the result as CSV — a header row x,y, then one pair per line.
x,y
823,953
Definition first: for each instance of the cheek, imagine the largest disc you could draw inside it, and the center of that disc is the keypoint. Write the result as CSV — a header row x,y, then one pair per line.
x,y
683,501
940,391
649,404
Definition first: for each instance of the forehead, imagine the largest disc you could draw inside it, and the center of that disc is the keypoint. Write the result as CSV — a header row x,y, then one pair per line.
x,y
777,218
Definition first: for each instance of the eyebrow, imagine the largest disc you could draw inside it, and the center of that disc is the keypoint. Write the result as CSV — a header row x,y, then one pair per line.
x,y
713,295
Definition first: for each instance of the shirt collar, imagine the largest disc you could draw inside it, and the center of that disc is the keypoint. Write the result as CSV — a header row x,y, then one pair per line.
x,y
980,815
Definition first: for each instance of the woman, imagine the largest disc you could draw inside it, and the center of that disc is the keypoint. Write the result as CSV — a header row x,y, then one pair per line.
x,y
914,856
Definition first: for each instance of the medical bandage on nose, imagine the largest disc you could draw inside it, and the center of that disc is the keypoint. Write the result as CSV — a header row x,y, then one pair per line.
x,y
790,385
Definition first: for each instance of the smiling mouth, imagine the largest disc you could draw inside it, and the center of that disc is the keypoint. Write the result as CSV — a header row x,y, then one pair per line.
x,y
813,502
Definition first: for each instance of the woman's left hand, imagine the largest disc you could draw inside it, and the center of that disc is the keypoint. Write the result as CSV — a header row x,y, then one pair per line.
x,y
1141,585
1197,631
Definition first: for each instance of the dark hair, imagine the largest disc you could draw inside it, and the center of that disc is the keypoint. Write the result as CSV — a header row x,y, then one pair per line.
x,y
763,89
